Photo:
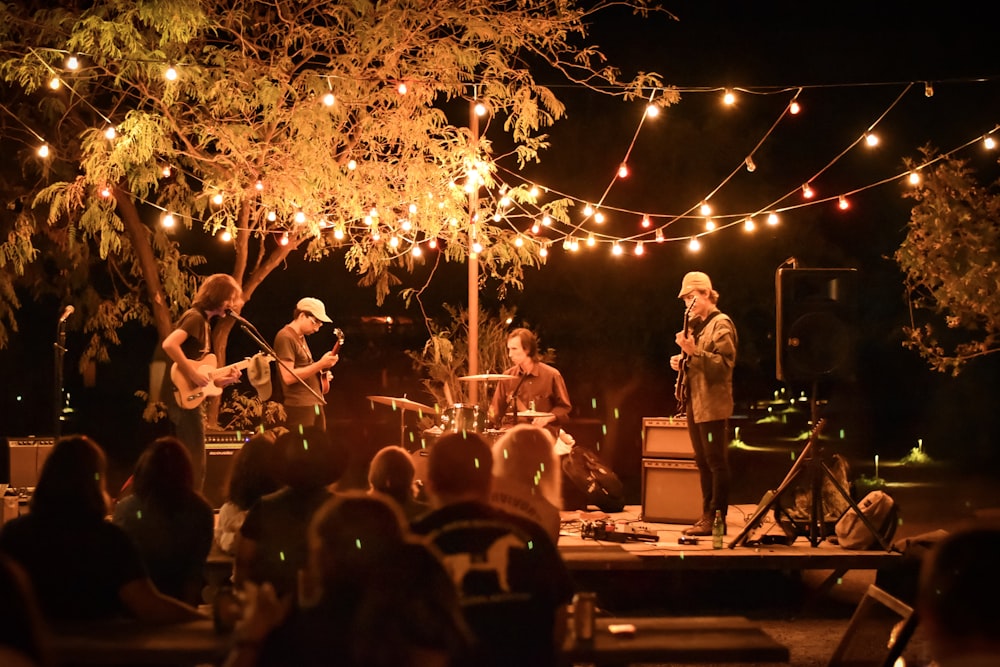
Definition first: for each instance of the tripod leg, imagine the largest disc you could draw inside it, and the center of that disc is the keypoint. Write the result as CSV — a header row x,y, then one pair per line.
x,y
766,505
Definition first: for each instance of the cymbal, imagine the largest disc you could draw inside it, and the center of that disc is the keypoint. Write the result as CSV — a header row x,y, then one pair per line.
x,y
400,403
534,413
486,376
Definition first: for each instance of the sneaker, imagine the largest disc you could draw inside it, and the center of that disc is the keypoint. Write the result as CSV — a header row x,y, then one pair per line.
x,y
702,527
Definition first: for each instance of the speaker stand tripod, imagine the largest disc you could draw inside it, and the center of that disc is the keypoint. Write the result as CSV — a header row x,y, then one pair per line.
x,y
811,462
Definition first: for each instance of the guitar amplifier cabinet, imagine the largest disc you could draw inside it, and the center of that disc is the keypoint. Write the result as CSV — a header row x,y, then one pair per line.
x,y
666,438
25,457
671,491
220,447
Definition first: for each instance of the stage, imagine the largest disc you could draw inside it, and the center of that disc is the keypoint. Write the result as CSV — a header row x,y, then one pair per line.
x,y
591,560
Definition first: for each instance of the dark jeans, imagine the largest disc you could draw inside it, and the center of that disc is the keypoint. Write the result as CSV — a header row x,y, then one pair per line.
x,y
712,457
304,415
189,428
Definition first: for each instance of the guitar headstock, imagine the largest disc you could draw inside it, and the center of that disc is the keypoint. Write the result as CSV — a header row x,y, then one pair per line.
x,y
339,333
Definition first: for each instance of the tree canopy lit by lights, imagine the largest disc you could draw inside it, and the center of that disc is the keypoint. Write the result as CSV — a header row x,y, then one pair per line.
x,y
334,129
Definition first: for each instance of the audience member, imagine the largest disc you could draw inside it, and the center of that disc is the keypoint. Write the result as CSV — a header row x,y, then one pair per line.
x,y
24,638
384,599
957,598
527,479
391,472
81,565
272,541
171,524
251,477
512,582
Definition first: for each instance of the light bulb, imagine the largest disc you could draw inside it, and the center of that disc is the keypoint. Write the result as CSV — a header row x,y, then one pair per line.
x,y
646,222
989,142
170,74
842,203
705,208
168,220
599,217
728,97
226,236
110,133
639,249
401,88
652,110
616,249
772,218
871,139
415,251
43,150
751,165
914,178
284,239
329,100
217,198
807,191
55,83
588,210
928,89
749,225
694,245
72,63
794,107
623,170
480,109
709,225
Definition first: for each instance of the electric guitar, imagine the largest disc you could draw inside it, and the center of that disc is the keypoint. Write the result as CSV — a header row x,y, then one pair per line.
x,y
680,388
327,375
190,396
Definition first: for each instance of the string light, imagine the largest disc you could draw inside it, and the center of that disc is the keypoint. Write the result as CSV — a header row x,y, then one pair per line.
x,y
546,221
807,191
110,133
749,225
871,139
794,107
168,220
928,89
55,83
170,74
694,245
284,239
226,236
913,178
646,222
299,217
705,209
842,203
401,88
43,151
772,218
259,185
659,236
588,211
166,172
271,216
599,217
639,250
591,241
480,109
616,248
329,100
415,250
217,199
751,165
989,142
623,170
729,97
652,110
72,63
709,225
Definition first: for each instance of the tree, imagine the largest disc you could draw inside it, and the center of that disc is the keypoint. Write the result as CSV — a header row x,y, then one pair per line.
x,y
319,127
951,265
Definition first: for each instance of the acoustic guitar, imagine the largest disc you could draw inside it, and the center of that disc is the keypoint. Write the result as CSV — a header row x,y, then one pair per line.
x,y
680,388
190,396
327,375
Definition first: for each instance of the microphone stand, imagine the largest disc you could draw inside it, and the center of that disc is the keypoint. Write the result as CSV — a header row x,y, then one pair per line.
x,y
251,331
60,352
512,401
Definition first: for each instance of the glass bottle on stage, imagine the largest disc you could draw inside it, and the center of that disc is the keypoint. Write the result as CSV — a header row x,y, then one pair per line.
x,y
718,530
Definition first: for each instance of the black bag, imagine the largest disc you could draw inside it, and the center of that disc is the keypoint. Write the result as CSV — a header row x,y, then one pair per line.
x,y
594,479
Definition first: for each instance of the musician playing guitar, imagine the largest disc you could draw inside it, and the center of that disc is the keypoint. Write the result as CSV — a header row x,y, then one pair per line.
x,y
707,358
186,346
302,406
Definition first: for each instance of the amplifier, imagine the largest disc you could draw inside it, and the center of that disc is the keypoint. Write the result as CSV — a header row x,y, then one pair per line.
x,y
666,437
671,491
25,458
220,447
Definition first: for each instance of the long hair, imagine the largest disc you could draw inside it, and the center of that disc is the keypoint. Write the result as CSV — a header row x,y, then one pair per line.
x,y
164,473
254,472
72,482
526,454
215,290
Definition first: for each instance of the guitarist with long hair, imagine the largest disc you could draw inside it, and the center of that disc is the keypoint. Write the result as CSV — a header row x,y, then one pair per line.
x,y
188,344
705,391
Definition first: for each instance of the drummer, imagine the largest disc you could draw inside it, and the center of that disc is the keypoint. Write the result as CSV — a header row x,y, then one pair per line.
x,y
534,387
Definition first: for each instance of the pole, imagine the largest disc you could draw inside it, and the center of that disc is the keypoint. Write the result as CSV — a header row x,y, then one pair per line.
x,y
57,399
473,267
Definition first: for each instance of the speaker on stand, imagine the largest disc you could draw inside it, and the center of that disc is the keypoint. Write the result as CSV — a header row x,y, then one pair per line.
x,y
816,323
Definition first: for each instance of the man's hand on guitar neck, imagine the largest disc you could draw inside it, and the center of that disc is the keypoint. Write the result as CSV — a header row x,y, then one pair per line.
x,y
686,343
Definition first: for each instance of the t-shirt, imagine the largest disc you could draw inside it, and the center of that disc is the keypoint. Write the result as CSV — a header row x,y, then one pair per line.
x,y
291,347
194,322
510,578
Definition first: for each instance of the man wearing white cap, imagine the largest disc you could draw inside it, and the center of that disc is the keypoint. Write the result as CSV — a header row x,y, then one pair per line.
x,y
303,407
705,391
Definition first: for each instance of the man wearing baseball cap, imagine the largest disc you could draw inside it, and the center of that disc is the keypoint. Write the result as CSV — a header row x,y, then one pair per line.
x,y
302,406
705,391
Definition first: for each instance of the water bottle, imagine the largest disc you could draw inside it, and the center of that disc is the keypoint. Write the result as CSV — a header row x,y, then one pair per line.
x,y
718,530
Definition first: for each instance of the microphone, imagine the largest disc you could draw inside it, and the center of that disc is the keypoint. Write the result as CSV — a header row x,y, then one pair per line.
x,y
512,401
69,310
233,314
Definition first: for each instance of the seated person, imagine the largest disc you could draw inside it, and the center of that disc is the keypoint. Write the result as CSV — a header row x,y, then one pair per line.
x,y
383,599
171,523
80,565
252,476
527,478
391,472
957,598
272,541
511,579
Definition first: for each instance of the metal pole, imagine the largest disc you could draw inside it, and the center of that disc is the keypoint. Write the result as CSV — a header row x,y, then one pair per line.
x,y
473,268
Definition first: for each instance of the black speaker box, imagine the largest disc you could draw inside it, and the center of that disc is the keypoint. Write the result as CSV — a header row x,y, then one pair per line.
x,y
671,491
816,323
25,458
220,448
666,438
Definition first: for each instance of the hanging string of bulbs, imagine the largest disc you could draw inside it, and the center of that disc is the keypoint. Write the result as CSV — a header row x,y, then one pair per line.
x,y
545,230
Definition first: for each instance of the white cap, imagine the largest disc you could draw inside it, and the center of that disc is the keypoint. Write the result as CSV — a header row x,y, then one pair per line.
x,y
314,307
695,280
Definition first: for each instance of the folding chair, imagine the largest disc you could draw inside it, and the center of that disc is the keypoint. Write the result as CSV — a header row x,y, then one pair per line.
x,y
877,633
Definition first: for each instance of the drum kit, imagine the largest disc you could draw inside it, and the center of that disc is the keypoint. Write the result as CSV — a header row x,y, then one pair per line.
x,y
458,418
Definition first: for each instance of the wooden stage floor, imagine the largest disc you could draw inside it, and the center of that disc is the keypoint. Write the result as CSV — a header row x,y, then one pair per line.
x,y
585,554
